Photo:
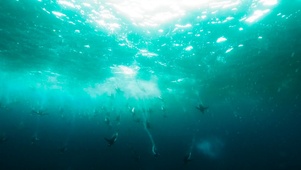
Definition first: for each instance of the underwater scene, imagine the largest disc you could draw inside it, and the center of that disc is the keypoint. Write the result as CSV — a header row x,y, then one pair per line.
x,y
150,84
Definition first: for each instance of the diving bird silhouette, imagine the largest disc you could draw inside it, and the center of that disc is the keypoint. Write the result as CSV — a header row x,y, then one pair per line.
x,y
112,140
202,108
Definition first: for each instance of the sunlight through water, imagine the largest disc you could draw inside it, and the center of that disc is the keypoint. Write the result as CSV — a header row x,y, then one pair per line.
x,y
149,14
121,84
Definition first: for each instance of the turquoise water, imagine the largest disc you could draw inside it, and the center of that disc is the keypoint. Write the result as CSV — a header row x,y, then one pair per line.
x,y
75,72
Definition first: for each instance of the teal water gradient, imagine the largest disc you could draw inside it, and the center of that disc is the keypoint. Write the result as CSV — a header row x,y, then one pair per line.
x,y
65,78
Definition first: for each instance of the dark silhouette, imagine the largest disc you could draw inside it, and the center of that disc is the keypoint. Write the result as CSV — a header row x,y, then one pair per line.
x,y
112,140
202,108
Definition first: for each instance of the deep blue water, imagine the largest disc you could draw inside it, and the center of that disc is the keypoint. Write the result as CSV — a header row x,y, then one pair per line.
x,y
73,73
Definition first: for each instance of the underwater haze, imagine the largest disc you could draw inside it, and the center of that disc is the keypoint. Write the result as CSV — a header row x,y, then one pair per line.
x,y
149,84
